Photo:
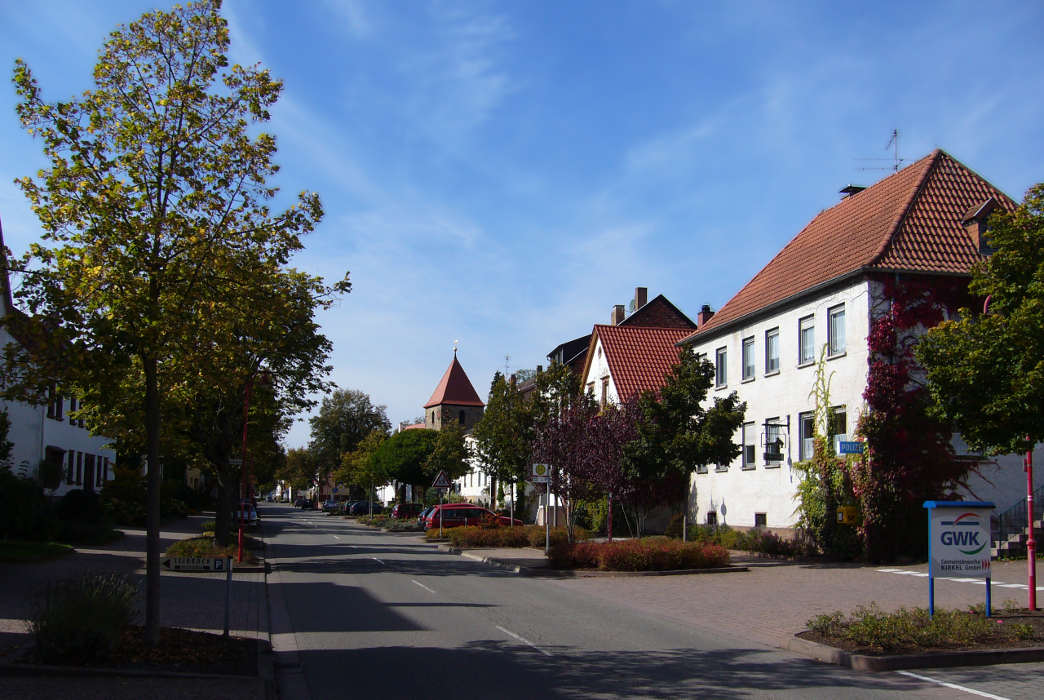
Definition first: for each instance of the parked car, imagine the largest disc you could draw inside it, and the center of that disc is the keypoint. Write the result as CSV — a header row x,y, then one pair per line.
x,y
332,506
363,508
423,515
247,514
464,514
405,511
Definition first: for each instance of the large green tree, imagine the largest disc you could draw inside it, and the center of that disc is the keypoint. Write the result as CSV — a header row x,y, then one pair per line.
x,y
360,469
154,206
404,457
345,417
503,435
986,370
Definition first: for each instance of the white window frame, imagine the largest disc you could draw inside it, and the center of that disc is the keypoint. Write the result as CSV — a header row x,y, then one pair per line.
x,y
772,341
774,431
748,364
721,367
748,441
836,331
806,444
806,351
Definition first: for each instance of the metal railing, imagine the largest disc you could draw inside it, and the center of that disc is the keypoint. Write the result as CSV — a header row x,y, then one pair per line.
x,y
1014,520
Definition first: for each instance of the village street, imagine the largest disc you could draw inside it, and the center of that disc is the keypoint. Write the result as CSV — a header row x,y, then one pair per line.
x,y
358,611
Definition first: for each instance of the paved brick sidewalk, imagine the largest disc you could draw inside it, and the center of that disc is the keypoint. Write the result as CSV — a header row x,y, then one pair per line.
x,y
192,600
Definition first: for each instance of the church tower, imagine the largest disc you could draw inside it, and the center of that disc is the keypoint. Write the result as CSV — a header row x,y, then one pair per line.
x,y
454,399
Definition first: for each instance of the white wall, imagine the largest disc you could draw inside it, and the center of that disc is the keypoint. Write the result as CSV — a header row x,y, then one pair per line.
x,y
735,493
598,371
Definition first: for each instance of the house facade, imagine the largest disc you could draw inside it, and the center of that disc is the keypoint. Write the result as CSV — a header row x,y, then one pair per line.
x,y
50,433
815,301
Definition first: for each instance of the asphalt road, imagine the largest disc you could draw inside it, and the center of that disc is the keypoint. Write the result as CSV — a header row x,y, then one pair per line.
x,y
357,613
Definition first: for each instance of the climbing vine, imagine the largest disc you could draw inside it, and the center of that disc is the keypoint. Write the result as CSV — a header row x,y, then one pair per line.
x,y
908,456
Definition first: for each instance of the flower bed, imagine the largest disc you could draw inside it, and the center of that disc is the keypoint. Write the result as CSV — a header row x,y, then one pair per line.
x,y
646,554
502,536
206,547
868,630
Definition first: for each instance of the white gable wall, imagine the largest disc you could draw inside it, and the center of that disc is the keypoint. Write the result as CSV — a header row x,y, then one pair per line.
x,y
734,492
599,372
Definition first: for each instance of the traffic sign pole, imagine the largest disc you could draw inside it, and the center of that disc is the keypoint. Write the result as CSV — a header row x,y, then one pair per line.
x,y
228,593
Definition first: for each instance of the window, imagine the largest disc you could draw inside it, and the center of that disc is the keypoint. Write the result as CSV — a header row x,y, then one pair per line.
x,y
712,517
748,358
701,468
105,470
747,456
772,351
590,389
54,403
837,426
462,418
807,340
720,369
836,330
806,434
79,467
773,441
760,520
72,407
605,391
70,458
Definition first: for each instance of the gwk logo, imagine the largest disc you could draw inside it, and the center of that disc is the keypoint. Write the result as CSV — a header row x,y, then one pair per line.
x,y
962,534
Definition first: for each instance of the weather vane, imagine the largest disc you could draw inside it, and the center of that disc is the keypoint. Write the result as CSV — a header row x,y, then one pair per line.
x,y
455,344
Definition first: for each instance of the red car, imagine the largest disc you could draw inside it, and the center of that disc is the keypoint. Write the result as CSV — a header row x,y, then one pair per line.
x,y
464,514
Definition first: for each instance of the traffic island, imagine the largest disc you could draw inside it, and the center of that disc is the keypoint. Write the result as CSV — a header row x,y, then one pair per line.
x,y
870,640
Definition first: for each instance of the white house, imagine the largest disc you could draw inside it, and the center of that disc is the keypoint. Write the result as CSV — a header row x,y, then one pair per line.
x,y
48,432
922,223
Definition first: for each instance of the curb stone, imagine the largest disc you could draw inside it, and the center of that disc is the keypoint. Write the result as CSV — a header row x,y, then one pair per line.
x,y
544,572
940,659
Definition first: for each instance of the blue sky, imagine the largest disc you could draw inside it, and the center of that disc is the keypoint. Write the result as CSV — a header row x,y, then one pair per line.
x,y
502,173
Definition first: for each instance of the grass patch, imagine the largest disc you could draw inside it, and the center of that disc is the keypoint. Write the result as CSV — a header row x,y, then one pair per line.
x,y
207,547
868,630
14,551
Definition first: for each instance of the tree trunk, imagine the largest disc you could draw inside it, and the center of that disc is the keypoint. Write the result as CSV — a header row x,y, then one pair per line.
x,y
609,519
152,548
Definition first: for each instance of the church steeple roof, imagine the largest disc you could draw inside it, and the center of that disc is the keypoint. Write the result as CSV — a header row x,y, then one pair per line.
x,y
455,388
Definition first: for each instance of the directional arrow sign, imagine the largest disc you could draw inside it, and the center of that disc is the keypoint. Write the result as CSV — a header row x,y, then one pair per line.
x,y
441,482
194,563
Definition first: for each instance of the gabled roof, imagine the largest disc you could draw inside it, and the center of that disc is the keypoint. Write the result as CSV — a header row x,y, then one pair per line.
x,y
455,388
639,357
911,221
661,313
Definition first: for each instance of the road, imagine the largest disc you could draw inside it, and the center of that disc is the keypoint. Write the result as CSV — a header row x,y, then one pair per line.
x,y
358,612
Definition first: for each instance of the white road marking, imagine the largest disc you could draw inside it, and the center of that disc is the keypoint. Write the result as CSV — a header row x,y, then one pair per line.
x,y
380,562
523,640
952,686
976,581
422,585
337,537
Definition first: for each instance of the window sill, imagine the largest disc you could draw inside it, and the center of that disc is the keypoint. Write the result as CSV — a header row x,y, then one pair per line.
x,y
773,465
721,388
834,357
747,380
749,468
773,373
808,363
720,470
701,471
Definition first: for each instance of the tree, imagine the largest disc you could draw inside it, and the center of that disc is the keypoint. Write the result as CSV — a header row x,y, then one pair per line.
x,y
450,454
344,419
300,468
676,433
359,468
503,435
986,370
156,202
606,438
404,456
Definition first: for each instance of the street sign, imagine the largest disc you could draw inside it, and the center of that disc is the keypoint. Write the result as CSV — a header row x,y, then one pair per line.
x,y
541,473
850,447
441,481
235,462
195,563
958,543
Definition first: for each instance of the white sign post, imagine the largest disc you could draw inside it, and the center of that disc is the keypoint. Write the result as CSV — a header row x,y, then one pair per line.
x,y
542,475
958,543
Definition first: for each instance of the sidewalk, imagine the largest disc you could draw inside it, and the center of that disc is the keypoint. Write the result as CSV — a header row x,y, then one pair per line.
x,y
187,599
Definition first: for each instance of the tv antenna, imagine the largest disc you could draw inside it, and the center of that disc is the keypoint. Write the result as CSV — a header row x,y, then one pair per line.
x,y
893,143
507,365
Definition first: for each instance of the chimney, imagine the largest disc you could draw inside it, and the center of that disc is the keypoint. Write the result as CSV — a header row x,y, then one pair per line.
x,y
617,316
641,297
513,380
704,315
849,190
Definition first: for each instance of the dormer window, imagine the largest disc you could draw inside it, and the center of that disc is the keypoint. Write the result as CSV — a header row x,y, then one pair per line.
x,y
976,223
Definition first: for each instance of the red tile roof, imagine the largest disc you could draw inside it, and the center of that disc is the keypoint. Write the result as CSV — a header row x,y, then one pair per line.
x,y
911,221
454,388
639,357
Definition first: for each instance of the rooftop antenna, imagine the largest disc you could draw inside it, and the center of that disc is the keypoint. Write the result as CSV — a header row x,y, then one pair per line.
x,y
507,365
896,161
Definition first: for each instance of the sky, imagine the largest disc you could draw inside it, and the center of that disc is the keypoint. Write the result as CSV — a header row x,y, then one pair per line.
x,y
502,173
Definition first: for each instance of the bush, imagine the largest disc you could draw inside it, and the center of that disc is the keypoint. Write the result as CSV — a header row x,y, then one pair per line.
x,y
24,510
646,554
207,547
81,620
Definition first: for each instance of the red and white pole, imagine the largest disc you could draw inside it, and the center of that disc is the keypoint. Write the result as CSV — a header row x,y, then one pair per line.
x,y
1031,543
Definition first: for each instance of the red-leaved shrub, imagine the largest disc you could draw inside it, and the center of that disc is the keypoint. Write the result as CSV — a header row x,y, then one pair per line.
x,y
649,554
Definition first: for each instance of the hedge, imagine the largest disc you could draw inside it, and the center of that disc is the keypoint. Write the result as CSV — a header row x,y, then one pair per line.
x,y
646,554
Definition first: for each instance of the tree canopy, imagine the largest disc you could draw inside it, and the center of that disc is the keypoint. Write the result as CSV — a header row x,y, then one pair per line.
x,y
344,419
986,370
157,223
404,456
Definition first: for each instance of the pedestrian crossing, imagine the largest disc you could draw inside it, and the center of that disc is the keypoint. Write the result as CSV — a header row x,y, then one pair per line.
x,y
975,581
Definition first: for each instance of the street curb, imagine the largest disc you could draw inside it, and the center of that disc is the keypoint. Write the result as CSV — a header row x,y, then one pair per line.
x,y
544,572
940,659
10,669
